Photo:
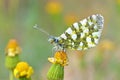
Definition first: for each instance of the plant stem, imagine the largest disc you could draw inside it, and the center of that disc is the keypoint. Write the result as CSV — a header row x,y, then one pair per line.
x,y
11,75
24,78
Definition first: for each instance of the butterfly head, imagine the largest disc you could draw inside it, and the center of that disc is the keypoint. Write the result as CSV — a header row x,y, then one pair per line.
x,y
53,40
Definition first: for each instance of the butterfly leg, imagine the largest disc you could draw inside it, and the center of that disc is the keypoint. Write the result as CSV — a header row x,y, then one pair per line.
x,y
57,48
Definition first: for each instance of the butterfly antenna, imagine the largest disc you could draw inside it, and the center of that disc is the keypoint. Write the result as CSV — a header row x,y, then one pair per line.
x,y
40,29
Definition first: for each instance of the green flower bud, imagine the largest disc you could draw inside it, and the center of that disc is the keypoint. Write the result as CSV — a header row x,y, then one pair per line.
x,y
12,54
11,62
56,72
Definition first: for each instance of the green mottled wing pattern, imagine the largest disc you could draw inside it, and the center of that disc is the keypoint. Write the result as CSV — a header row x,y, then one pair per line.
x,y
83,34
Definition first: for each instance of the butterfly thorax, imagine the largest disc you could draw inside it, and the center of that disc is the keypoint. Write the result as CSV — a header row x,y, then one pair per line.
x,y
57,43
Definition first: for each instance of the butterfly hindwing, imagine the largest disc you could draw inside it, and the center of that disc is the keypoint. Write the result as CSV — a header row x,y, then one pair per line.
x,y
83,34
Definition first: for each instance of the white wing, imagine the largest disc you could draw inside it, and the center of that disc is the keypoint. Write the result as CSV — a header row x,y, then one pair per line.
x,y
83,34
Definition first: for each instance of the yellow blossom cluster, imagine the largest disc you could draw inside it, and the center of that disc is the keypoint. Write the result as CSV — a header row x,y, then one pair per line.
x,y
23,70
53,7
60,57
12,48
70,19
118,1
106,45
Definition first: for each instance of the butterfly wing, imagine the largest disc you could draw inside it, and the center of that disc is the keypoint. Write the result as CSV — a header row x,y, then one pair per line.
x,y
83,34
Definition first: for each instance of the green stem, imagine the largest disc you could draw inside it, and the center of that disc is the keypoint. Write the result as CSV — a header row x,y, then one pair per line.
x,y
11,75
23,78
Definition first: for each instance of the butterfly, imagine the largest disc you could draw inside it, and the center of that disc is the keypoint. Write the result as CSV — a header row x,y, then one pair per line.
x,y
80,35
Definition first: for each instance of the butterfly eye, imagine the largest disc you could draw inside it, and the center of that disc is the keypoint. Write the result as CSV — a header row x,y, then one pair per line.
x,y
51,40
56,40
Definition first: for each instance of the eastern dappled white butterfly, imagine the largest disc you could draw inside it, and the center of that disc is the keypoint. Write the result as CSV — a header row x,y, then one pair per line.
x,y
80,35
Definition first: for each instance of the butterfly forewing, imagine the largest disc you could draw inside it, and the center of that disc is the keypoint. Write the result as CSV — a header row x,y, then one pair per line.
x,y
83,34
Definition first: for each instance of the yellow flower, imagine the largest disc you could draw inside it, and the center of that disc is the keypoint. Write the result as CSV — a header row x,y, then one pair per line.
x,y
70,19
12,48
118,1
60,57
106,45
23,70
53,7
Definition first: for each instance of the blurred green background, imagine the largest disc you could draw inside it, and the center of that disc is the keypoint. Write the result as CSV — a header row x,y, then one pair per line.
x,y
17,18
